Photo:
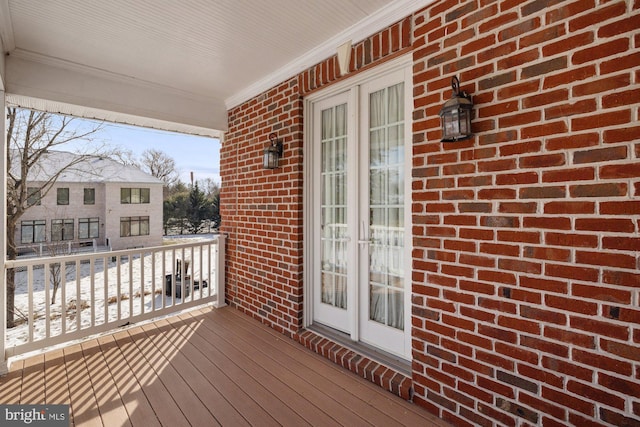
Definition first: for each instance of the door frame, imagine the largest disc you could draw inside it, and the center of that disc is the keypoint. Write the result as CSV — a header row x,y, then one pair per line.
x,y
309,222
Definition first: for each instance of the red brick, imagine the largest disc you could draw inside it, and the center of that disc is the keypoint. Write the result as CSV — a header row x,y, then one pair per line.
x,y
568,10
566,110
597,16
497,277
571,76
518,236
517,178
570,304
570,337
520,119
547,97
621,278
540,375
629,170
601,120
621,385
547,316
567,400
517,60
625,351
518,207
620,63
599,327
606,259
497,305
600,51
499,21
547,253
572,141
600,155
621,135
629,97
605,224
601,293
569,208
598,190
521,266
544,129
568,44
572,240
555,192
566,367
564,175
570,272
561,350
595,394
607,84
546,34
555,223
517,352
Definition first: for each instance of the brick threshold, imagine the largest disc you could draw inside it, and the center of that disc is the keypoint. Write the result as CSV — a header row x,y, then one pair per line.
x,y
384,376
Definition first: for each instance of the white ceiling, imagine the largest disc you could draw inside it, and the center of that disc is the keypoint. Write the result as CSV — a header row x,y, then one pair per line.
x,y
206,55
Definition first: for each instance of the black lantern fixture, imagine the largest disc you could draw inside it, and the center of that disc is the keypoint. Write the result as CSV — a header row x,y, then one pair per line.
x,y
273,152
455,115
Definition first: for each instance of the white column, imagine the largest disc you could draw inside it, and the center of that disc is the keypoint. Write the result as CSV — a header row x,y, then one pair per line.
x,y
220,280
4,366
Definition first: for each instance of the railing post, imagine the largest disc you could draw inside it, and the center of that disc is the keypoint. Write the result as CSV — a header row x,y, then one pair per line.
x,y
4,365
220,281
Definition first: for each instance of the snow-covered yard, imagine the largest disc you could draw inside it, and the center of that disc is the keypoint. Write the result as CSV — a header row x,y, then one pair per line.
x,y
107,289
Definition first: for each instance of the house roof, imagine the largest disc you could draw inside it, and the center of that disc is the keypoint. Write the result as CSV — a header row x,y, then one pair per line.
x,y
85,169
176,65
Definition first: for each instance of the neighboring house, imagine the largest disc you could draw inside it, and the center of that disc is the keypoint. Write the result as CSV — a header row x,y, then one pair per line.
x,y
97,201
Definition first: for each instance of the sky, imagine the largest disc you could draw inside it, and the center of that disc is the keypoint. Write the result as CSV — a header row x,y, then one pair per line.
x,y
200,155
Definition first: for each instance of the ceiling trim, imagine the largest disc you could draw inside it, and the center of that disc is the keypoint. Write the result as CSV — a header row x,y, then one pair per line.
x,y
100,73
108,116
384,17
6,28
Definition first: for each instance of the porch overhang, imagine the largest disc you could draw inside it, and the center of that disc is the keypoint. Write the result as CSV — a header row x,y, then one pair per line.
x,y
61,87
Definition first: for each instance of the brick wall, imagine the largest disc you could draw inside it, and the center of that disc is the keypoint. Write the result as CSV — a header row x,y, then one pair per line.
x,y
262,209
526,281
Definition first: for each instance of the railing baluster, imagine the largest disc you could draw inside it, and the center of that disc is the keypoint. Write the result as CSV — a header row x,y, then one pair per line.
x,y
105,268
92,269
47,299
63,297
30,318
118,292
130,286
78,298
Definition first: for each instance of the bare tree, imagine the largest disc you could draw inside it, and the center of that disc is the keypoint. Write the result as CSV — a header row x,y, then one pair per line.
x,y
124,156
30,136
160,165
56,249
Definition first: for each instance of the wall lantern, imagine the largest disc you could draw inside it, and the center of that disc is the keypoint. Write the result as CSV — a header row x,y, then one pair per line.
x,y
273,152
455,115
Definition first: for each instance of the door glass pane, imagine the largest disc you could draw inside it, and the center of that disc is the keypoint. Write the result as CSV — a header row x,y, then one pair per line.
x,y
386,206
334,206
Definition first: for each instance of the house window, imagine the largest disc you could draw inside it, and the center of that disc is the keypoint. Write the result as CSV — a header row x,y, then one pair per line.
x,y
134,195
88,228
134,226
63,196
89,196
61,229
34,196
33,231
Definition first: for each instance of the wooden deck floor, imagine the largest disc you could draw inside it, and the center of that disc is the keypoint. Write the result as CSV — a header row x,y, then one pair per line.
x,y
205,368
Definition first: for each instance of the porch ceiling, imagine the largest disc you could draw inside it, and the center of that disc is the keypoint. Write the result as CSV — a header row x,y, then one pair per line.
x,y
162,63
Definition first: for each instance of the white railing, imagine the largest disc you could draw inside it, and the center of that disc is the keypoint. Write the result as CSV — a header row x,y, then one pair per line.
x,y
99,292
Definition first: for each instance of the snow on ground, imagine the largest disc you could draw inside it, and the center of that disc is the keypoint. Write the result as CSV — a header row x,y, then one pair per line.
x,y
134,290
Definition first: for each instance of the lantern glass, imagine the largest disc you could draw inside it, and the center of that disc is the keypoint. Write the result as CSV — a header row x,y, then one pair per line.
x,y
455,115
271,157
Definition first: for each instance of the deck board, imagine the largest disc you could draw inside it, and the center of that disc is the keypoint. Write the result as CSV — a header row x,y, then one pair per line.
x,y
204,367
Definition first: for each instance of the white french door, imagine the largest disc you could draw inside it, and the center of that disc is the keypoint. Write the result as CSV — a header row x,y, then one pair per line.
x,y
360,210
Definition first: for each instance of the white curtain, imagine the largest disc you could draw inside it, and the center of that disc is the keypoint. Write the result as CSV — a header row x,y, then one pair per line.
x,y
386,199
